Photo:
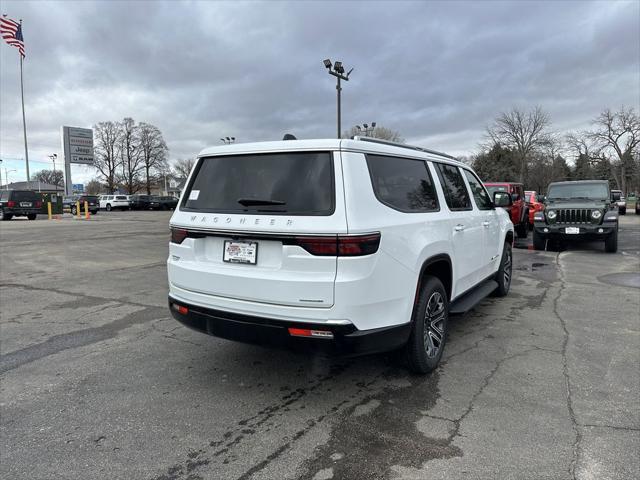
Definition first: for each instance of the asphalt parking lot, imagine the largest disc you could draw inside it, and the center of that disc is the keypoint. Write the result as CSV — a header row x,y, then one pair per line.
x,y
98,381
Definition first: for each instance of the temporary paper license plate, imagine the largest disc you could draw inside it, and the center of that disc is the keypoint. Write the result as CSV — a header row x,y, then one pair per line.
x,y
240,252
572,230
25,204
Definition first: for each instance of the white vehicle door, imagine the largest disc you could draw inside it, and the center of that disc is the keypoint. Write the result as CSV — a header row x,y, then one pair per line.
x,y
466,228
490,222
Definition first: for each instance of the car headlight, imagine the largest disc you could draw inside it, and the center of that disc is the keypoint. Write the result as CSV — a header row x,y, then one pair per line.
x,y
596,214
552,214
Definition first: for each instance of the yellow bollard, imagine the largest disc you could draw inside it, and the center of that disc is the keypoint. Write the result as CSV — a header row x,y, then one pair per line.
x,y
86,210
78,209
49,209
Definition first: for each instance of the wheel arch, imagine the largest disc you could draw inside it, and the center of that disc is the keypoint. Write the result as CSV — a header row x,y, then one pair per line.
x,y
439,266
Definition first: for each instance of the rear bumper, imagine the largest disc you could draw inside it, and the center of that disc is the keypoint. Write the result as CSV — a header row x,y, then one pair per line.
x,y
346,339
21,211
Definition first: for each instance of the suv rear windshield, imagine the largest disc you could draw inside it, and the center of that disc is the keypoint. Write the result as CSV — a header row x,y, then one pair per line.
x,y
24,196
591,191
287,183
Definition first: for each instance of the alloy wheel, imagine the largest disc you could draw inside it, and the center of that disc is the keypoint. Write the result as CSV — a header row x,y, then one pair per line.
x,y
506,270
434,320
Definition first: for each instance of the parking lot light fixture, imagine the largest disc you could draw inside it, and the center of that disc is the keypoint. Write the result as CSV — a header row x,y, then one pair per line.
x,y
338,72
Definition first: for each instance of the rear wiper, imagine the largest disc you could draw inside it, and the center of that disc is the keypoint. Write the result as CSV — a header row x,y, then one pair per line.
x,y
250,202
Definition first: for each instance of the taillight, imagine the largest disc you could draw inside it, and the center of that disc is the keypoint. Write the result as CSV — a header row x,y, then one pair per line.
x,y
11,204
340,245
178,235
38,204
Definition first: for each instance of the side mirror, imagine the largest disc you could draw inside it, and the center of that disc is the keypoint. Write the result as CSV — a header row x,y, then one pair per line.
x,y
502,199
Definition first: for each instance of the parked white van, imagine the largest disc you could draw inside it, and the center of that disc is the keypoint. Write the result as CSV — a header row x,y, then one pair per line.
x,y
361,245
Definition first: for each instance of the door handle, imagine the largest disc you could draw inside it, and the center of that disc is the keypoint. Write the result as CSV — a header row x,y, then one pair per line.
x,y
459,227
486,224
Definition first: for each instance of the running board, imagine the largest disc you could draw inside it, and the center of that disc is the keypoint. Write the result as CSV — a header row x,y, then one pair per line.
x,y
470,299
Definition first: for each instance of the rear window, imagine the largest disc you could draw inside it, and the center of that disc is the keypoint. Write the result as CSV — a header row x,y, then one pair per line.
x,y
88,198
121,197
24,196
287,183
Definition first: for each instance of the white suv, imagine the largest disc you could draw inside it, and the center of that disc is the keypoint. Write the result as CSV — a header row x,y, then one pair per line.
x,y
360,245
112,202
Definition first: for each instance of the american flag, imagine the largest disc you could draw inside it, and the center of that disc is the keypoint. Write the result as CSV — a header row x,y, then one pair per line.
x,y
12,33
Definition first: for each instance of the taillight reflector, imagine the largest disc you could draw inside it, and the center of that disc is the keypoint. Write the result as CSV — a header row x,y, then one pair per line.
x,y
11,204
180,309
305,332
178,235
38,204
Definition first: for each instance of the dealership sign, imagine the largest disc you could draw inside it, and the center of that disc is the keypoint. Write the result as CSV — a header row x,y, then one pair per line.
x,y
77,145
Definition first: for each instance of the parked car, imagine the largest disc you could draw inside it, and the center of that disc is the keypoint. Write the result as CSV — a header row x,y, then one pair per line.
x,y
19,203
140,202
112,202
518,211
535,204
359,245
163,203
71,202
620,201
579,210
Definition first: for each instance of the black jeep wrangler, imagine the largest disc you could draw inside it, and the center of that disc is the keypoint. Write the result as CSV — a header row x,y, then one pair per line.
x,y
581,210
19,203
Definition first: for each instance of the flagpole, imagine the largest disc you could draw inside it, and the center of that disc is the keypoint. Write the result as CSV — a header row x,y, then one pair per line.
x,y
24,123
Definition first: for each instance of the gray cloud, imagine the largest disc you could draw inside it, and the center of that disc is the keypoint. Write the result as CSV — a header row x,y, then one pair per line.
x,y
436,71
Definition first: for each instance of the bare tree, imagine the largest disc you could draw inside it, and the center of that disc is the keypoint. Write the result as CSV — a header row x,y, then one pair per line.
x,y
107,145
182,167
618,133
380,132
132,159
93,187
523,132
49,176
153,150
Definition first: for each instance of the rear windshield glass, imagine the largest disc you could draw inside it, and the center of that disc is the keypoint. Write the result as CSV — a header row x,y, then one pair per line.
x,y
291,183
19,196
121,197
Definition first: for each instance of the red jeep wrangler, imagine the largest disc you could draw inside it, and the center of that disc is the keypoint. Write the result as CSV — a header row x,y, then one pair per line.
x,y
519,211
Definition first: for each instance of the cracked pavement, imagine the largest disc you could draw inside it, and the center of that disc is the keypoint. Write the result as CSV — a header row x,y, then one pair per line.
x,y
97,381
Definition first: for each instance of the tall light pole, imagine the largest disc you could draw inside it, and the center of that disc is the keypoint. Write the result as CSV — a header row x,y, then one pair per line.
x,y
228,140
53,157
6,176
338,72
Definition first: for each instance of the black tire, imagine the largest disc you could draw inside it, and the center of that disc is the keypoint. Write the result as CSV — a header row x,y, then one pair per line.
x,y
539,242
94,212
32,216
611,242
622,210
108,207
522,230
505,271
5,216
428,327
74,210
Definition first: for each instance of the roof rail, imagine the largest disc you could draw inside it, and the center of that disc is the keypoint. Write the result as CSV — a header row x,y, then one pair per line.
x,y
402,145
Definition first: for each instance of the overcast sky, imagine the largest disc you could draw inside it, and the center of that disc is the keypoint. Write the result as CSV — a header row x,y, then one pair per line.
x,y
437,72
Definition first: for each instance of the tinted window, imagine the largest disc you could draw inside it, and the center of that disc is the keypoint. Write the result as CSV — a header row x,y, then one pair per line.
x,y
402,183
480,195
455,191
121,197
24,196
292,183
4,196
